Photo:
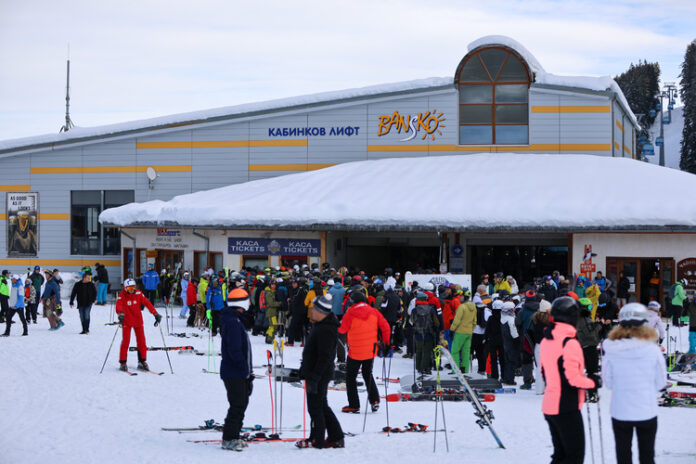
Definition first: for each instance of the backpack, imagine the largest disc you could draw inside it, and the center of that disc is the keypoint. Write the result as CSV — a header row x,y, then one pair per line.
x,y
422,320
672,290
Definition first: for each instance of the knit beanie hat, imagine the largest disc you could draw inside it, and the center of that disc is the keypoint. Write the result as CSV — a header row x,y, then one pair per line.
x,y
323,304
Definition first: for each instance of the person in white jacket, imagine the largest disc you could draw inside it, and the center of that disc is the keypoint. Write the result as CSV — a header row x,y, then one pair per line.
x,y
634,369
655,321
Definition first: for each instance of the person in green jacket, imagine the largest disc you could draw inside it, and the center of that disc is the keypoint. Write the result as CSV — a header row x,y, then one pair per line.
x,y
272,306
4,295
678,302
463,327
203,287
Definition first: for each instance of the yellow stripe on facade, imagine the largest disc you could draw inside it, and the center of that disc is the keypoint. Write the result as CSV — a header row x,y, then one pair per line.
x,y
618,124
627,150
54,216
493,148
288,167
571,109
108,169
617,146
223,144
57,262
15,188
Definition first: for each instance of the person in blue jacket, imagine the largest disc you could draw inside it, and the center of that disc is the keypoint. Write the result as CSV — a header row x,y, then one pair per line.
x,y
16,305
236,367
150,282
337,292
214,302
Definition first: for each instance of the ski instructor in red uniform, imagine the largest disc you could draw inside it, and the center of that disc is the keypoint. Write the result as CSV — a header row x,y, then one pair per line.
x,y
130,317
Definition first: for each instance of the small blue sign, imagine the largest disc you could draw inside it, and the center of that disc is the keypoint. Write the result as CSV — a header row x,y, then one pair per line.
x,y
274,246
652,113
648,149
660,141
666,120
457,250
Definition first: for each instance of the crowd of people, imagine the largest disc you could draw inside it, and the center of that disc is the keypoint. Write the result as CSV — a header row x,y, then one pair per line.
x,y
548,332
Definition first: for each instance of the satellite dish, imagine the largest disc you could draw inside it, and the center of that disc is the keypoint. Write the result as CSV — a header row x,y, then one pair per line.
x,y
151,174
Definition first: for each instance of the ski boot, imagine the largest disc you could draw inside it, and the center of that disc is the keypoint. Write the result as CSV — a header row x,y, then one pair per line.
x,y
142,366
233,445
307,443
334,443
123,366
375,406
526,386
349,410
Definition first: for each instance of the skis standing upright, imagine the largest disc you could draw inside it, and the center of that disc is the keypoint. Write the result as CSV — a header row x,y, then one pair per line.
x,y
485,416
172,297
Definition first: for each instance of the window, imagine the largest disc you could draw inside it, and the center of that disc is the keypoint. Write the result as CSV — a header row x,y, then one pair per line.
x,y
87,236
493,98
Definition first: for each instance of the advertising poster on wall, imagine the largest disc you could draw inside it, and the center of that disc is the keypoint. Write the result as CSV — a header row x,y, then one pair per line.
x,y
22,223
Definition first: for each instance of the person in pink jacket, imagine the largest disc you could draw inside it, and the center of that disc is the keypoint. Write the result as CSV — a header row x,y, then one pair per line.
x,y
562,367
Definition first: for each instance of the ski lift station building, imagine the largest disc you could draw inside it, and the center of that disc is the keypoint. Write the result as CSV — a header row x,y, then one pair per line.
x,y
499,166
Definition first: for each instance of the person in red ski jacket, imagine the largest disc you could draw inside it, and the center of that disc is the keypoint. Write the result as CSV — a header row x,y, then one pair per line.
x,y
130,316
362,325
562,367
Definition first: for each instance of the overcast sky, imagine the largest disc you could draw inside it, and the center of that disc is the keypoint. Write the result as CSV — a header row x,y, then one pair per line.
x,y
138,59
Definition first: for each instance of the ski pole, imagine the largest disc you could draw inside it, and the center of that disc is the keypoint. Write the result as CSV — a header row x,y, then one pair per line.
x,y
589,425
386,394
270,388
112,344
304,412
166,351
282,380
275,377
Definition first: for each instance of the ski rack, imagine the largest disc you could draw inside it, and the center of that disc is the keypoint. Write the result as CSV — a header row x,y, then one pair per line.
x,y
484,415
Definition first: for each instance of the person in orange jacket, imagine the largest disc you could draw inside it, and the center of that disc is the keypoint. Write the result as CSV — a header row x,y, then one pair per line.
x,y
130,316
361,324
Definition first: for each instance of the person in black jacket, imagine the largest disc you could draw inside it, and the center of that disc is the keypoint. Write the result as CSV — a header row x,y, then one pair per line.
x,y
86,296
298,293
103,285
390,309
622,289
494,340
317,369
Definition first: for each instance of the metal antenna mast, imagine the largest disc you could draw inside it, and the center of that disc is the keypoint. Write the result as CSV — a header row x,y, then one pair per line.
x,y
68,122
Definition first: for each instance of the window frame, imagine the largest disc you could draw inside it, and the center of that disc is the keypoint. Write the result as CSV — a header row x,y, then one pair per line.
x,y
493,83
101,206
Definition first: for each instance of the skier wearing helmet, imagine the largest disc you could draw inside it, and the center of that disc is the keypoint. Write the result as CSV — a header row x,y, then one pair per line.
x,y
633,368
130,316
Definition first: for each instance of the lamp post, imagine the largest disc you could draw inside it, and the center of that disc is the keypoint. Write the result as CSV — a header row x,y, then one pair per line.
x,y
669,92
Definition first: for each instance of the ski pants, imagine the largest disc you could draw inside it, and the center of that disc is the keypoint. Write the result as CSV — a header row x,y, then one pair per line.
x,y
31,311
8,319
101,292
84,316
410,343
692,342
323,419
461,351
591,359
623,435
496,354
677,314
238,392
150,295
511,359
539,383
424,350
296,330
4,306
567,436
352,367
215,314
139,338
192,315
50,311
478,348
341,348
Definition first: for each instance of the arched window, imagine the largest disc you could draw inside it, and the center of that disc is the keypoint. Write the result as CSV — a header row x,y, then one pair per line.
x,y
493,98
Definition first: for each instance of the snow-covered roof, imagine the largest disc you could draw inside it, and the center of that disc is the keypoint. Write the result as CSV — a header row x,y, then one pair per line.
x,y
77,134
526,192
595,83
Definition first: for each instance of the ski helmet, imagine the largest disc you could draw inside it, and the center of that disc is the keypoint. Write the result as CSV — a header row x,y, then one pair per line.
x,y
358,296
129,283
238,298
633,315
565,309
585,305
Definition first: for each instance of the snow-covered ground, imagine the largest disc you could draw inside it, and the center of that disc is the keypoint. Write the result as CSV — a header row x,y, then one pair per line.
x,y
55,407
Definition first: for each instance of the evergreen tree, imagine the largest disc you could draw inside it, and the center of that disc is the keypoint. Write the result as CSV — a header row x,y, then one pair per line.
x,y
640,85
688,97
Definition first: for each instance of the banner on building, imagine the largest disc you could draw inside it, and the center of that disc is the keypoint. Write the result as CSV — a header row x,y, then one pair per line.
x,y
274,246
22,223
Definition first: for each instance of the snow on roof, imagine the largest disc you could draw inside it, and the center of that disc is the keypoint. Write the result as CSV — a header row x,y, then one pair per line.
x,y
527,192
596,83
603,83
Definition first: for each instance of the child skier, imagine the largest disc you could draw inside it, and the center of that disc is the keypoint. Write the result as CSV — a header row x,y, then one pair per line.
x,y
16,305
130,316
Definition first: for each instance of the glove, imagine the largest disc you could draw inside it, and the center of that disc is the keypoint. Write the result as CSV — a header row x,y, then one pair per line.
x,y
250,384
158,318
121,317
597,381
209,315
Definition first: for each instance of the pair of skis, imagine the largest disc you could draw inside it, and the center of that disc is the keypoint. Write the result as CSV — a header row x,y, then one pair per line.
x,y
273,368
164,348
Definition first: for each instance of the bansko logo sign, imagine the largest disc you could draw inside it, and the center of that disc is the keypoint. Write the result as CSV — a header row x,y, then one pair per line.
x,y
428,124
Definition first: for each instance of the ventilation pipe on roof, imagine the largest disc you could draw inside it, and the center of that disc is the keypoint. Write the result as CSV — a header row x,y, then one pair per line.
x,y
207,245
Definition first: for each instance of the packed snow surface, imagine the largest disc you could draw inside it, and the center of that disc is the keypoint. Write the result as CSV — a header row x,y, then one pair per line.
x,y
57,408
602,83
478,191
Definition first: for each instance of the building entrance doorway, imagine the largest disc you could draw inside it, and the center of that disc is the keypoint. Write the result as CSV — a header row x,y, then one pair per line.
x,y
524,263
650,278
